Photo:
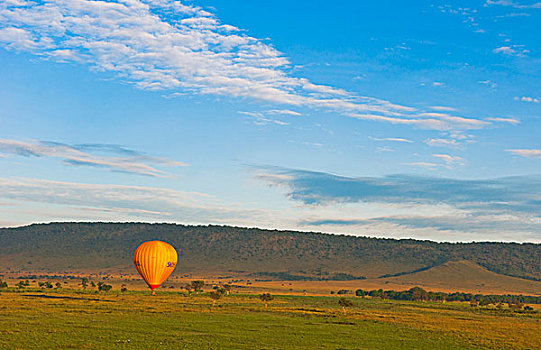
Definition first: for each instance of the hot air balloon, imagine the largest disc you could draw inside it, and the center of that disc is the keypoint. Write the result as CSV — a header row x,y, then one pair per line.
x,y
155,260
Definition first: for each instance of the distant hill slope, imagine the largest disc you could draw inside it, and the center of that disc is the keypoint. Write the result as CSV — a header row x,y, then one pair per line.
x,y
468,276
231,250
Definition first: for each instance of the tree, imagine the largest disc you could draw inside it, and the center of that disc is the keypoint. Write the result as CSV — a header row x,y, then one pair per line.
x,y
515,305
188,288
58,285
3,284
196,286
484,302
360,293
266,297
215,295
418,293
104,287
227,288
345,304
84,282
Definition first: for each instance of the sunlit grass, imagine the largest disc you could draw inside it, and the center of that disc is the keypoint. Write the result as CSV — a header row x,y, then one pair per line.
x,y
171,320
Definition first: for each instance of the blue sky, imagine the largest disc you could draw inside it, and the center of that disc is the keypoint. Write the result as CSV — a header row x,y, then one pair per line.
x,y
385,119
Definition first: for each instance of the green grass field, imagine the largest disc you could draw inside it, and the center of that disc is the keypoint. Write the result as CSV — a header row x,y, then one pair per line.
x,y
136,320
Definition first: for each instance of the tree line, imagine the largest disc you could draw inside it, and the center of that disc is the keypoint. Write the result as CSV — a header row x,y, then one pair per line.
x,y
419,294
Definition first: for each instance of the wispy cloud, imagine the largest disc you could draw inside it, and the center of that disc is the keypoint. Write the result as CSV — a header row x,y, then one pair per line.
x,y
135,201
282,112
167,45
425,165
314,144
443,108
521,193
449,159
124,159
267,116
528,153
505,120
488,83
466,123
434,121
260,118
385,149
393,139
514,14
510,228
418,201
449,162
534,5
467,14
449,143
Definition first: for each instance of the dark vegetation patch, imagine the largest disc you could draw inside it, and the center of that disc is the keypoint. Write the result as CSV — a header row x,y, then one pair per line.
x,y
48,296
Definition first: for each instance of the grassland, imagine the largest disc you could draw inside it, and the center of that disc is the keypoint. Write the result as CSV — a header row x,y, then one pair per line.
x,y
32,319
453,276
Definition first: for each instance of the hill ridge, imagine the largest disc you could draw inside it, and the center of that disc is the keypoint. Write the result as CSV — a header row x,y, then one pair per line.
x,y
227,249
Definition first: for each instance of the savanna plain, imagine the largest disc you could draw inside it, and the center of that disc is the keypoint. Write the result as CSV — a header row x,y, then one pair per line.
x,y
72,318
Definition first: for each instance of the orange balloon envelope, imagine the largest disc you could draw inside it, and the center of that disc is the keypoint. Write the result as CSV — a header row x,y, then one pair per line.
x,y
155,260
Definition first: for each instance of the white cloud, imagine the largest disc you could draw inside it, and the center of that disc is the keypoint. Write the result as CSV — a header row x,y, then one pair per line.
x,y
166,45
528,153
125,160
22,40
527,99
513,50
